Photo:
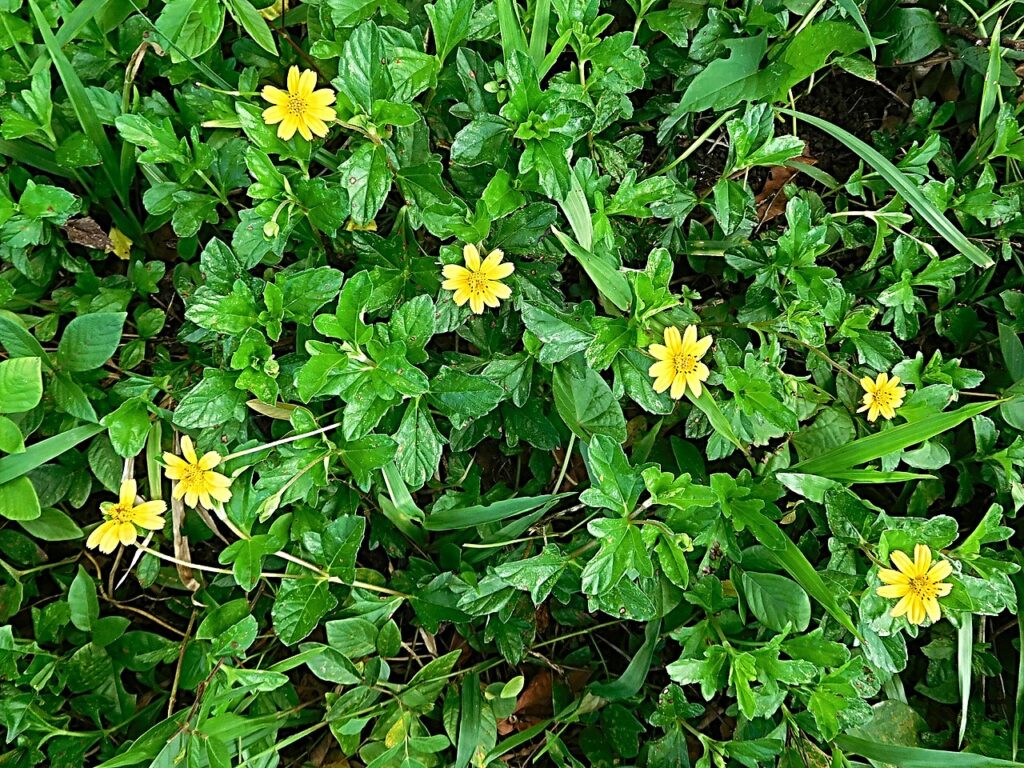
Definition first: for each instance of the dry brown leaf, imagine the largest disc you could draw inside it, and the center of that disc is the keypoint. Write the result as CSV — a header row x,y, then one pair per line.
x,y
85,231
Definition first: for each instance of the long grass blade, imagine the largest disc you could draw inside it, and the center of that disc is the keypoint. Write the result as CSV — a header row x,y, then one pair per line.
x,y
722,426
964,653
880,444
539,33
512,37
469,720
481,514
903,185
915,757
768,533
74,23
30,154
91,126
37,454
1018,709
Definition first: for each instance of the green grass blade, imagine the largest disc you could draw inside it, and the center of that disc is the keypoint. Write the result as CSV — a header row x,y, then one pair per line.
x,y
908,189
990,89
1018,709
875,476
629,683
964,652
74,23
512,37
469,721
38,158
880,444
915,757
539,33
482,514
710,408
90,123
796,564
37,454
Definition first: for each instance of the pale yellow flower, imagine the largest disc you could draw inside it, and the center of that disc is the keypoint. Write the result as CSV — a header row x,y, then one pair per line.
x,y
120,244
881,396
124,519
479,282
196,480
300,108
917,584
679,362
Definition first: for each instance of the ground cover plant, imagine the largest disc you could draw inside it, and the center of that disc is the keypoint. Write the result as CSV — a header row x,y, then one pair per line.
x,y
477,383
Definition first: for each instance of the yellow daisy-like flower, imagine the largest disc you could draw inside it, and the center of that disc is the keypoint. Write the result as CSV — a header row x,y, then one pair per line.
x,y
881,396
196,480
124,519
479,282
300,108
917,584
679,362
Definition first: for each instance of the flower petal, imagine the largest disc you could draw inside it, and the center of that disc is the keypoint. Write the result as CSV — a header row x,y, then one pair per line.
x,y
287,128
209,460
98,533
701,347
188,450
672,338
940,570
694,383
868,383
658,351
454,272
293,79
304,131
922,558
322,98
471,255
274,95
307,82
690,336
892,590
500,290
501,271
902,562
902,606
678,387
931,606
129,490
889,576
476,303
273,115
108,541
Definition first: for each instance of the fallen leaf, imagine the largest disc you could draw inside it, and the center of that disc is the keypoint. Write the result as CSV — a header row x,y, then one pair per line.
x,y
120,244
85,231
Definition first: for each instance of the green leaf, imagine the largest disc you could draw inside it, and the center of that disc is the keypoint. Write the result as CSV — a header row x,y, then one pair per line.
x,y
615,485
729,81
52,525
190,27
586,403
129,427
299,606
18,499
85,607
213,401
254,24
463,397
90,340
603,269
367,178
366,77
21,384
910,190
913,34
810,49
449,21
632,679
776,601
419,445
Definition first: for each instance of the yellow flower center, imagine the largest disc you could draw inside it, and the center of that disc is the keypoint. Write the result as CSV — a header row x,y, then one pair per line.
x,y
882,397
194,477
923,587
121,513
684,364
296,105
476,283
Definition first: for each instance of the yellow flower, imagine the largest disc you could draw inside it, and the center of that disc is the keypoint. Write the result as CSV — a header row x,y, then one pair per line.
x,y
195,479
918,584
478,282
679,362
300,108
122,519
881,396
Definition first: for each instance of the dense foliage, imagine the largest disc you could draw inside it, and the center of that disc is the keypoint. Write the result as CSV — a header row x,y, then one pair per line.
x,y
560,382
